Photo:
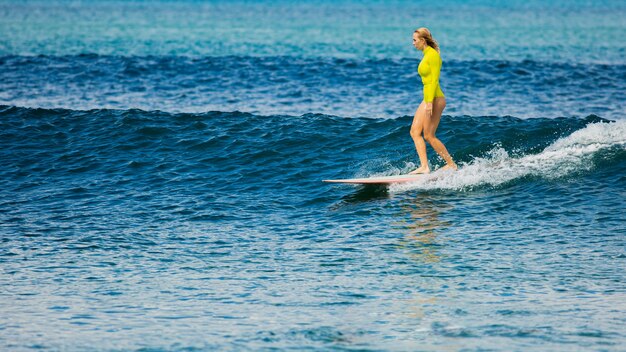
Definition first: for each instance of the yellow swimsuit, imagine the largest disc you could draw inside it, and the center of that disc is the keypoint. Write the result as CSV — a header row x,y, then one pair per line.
x,y
429,69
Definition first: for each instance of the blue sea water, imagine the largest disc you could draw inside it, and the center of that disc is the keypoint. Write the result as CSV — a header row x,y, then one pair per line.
x,y
161,167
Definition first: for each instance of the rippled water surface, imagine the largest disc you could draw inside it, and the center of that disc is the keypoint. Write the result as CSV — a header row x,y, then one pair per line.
x,y
160,187
130,229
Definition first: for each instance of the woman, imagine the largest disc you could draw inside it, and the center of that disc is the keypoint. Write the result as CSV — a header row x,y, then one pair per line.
x,y
429,112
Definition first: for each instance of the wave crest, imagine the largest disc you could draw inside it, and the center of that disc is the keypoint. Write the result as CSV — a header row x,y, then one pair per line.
x,y
569,155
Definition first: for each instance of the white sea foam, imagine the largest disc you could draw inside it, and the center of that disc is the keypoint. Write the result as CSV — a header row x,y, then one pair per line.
x,y
565,156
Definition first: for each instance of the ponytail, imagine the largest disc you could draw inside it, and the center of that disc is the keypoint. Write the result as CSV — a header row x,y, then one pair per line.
x,y
430,41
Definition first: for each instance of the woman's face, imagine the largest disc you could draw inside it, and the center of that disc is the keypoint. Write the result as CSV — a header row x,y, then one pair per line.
x,y
418,42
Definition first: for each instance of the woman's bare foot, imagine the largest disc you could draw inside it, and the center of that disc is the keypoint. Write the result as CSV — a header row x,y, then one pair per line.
x,y
420,170
450,167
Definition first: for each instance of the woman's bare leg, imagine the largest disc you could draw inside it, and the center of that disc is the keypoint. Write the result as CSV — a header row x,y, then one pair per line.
x,y
417,128
429,129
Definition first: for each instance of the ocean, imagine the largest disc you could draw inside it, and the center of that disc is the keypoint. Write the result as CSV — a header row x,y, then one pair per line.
x,y
162,165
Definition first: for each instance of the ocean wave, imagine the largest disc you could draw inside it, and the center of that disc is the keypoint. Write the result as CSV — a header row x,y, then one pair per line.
x,y
292,85
570,155
219,147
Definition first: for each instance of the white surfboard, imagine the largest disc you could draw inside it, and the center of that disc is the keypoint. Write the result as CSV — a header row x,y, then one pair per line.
x,y
381,180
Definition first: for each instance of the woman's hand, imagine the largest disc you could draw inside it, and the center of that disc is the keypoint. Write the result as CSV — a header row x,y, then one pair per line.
x,y
429,109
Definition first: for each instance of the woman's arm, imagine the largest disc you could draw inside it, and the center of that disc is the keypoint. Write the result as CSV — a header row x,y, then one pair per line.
x,y
434,61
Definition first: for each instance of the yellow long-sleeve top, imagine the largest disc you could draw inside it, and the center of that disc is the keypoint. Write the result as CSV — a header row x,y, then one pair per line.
x,y
429,69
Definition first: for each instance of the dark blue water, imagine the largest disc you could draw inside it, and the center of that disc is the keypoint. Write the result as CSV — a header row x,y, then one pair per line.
x,y
161,170
293,85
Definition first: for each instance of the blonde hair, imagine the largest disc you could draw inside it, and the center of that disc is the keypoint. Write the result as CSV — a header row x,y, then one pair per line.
x,y
430,41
